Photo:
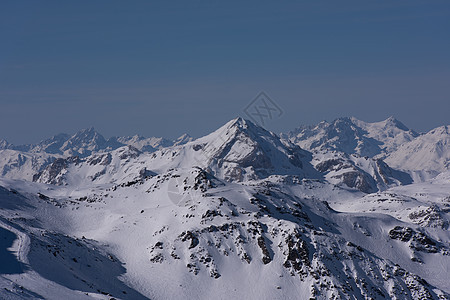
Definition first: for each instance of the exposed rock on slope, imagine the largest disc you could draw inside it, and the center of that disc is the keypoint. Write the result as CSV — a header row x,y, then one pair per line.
x,y
366,174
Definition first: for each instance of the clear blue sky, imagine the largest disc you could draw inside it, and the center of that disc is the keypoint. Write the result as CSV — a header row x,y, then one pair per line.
x,y
162,68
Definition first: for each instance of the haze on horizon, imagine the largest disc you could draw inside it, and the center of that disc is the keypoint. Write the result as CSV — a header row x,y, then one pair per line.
x,y
163,69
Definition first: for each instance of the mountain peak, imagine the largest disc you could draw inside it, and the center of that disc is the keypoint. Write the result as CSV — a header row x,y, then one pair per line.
x,y
241,150
391,121
238,122
87,131
4,144
351,135
183,139
441,130
84,142
342,120
88,134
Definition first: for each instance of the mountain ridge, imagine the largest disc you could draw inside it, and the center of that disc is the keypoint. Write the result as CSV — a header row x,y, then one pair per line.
x,y
351,135
87,141
239,213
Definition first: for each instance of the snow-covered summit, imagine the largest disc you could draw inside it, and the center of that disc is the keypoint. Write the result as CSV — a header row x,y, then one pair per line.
x,y
391,133
430,152
350,135
239,151
84,142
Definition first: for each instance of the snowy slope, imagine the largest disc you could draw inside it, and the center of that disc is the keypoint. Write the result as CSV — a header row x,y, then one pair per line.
x,y
23,165
185,234
391,133
237,214
429,152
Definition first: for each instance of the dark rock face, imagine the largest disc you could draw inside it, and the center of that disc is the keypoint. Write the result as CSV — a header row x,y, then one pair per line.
x,y
417,240
185,236
423,243
50,173
331,164
366,174
403,234
298,253
54,172
266,254
387,174
129,152
353,178
203,180
102,159
430,217
358,180
257,160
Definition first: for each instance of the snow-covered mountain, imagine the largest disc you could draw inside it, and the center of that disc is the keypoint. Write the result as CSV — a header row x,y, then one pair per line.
x,y
423,156
366,174
428,152
88,141
238,214
23,165
350,135
55,144
238,151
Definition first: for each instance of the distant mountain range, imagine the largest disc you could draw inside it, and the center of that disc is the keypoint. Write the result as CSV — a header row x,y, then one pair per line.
x,y
87,141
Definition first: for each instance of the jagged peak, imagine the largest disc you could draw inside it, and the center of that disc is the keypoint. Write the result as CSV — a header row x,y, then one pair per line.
x,y
238,122
4,144
342,120
88,129
247,126
87,133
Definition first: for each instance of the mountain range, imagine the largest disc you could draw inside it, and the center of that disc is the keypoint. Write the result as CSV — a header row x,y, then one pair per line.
x,y
340,210
87,141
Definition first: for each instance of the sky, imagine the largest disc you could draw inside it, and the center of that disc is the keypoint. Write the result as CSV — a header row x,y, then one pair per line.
x,y
164,68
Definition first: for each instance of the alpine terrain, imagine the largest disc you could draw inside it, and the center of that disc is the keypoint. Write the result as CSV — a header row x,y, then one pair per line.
x,y
340,210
